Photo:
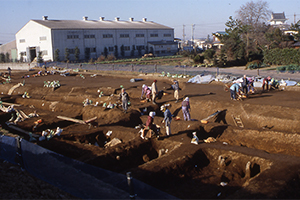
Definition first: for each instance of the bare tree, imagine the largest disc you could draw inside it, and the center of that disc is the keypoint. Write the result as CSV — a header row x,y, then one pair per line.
x,y
254,13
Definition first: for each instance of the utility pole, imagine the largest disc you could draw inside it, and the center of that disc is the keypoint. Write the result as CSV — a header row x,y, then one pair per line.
x,y
193,29
294,18
183,33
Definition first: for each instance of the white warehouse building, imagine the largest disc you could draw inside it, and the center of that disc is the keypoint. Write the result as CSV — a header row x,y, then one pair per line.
x,y
93,38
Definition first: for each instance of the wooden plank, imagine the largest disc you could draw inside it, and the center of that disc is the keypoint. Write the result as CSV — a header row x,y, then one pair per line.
x,y
71,119
90,120
21,130
10,104
205,120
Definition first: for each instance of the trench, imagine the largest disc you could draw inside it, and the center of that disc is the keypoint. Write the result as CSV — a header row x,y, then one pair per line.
x,y
209,170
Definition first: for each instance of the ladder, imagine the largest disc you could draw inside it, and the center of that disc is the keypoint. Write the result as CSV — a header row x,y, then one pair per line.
x,y
238,121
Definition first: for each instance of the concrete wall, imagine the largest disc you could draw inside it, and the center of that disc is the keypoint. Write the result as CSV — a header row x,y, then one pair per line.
x,y
16,66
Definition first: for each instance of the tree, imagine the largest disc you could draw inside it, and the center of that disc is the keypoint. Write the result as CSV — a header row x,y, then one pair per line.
x,y
2,58
116,53
132,51
7,59
139,50
56,55
21,56
122,49
76,54
87,53
234,46
105,52
296,28
254,13
40,57
67,54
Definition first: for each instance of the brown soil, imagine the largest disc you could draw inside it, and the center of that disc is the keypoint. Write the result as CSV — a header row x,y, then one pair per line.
x,y
268,142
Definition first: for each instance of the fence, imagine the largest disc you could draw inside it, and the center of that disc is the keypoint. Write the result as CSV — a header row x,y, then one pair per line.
x,y
77,178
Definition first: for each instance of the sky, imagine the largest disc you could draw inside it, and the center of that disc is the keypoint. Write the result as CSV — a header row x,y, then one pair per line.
x,y
206,16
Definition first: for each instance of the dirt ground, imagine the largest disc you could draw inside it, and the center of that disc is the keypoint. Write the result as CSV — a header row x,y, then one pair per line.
x,y
257,158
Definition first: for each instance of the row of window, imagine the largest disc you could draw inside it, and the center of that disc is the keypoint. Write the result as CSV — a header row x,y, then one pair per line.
x,y
43,38
121,35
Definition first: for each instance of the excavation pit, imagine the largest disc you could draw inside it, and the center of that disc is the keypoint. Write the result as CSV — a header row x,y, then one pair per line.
x,y
238,164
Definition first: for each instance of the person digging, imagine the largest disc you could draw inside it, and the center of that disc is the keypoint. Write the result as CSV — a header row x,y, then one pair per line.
x,y
150,127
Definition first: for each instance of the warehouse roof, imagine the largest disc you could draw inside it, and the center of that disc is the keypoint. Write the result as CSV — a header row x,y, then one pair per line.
x,y
100,24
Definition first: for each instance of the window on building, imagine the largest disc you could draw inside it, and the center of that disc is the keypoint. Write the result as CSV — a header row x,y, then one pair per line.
x,y
139,35
107,35
89,36
124,35
24,53
72,36
156,52
154,35
141,47
163,51
71,51
126,48
167,35
93,50
43,38
110,48
22,40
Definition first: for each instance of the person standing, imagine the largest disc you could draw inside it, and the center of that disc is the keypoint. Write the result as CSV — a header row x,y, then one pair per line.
x,y
167,119
233,90
9,71
125,98
185,106
175,87
245,85
154,91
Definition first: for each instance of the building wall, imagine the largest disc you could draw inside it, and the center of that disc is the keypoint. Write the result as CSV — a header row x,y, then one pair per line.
x,y
102,38
34,36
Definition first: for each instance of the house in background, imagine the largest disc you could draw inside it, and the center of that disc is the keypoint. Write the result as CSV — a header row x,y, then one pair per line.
x,y
93,38
278,20
11,49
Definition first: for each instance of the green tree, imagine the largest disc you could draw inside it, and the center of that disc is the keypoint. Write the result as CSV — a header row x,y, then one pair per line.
x,y
87,53
56,55
67,54
122,50
116,53
296,28
139,50
105,52
40,57
21,56
234,46
7,59
132,51
2,57
76,54
209,54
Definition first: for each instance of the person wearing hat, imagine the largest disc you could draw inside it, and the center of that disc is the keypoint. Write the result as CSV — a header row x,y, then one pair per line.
x,y
167,119
149,126
175,87
146,91
154,91
185,106
124,98
266,83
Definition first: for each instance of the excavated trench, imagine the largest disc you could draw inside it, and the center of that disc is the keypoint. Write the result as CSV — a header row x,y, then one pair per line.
x,y
216,170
